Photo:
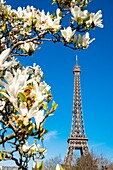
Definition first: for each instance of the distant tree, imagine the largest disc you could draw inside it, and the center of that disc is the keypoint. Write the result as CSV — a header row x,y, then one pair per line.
x,y
51,163
110,166
102,162
93,162
86,163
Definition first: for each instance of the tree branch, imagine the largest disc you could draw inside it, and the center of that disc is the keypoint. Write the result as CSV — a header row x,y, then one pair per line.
x,y
7,138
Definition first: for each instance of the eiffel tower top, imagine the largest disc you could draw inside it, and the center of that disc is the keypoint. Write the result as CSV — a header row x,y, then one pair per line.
x,y
77,67
76,60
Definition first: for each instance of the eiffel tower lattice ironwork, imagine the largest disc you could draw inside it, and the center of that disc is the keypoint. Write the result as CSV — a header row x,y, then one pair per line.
x,y
77,139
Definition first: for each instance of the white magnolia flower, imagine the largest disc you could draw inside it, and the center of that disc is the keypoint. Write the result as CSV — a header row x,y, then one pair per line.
x,y
33,112
2,104
3,57
23,110
77,13
95,19
29,12
39,116
84,40
1,117
25,147
40,90
19,12
15,83
35,72
7,9
32,148
29,46
2,2
36,113
58,11
44,88
43,16
58,167
45,21
1,127
67,33
80,39
42,20
32,46
2,40
53,24
73,3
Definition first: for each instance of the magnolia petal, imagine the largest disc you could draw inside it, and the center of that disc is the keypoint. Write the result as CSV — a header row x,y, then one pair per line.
x,y
23,109
4,55
2,104
39,117
58,167
25,147
1,117
58,13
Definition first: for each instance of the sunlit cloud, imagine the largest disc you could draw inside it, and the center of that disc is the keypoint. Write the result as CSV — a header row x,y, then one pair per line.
x,y
50,135
102,149
96,145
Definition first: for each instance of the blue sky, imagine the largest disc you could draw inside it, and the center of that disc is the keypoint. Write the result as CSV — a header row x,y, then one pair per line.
x,y
57,63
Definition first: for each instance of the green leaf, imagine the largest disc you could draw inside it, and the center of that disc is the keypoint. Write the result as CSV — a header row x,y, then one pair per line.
x,y
38,166
78,1
4,27
4,154
22,96
6,11
20,123
60,14
61,168
87,18
45,106
54,105
41,166
54,1
41,150
43,132
30,128
79,20
51,114
1,156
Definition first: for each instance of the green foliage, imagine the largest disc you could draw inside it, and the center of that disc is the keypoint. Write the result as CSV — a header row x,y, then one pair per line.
x,y
54,105
38,166
22,96
52,162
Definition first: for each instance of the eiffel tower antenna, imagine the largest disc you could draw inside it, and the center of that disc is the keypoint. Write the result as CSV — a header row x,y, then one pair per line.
x,y
77,139
76,60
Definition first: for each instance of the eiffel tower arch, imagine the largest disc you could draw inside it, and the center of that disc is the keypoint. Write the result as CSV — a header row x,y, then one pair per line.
x,y
77,139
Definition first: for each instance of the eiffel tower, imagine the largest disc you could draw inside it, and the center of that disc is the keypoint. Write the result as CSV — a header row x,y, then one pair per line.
x,y
77,139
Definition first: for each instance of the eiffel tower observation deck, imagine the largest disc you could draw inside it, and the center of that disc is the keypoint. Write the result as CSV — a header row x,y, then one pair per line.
x,y
77,139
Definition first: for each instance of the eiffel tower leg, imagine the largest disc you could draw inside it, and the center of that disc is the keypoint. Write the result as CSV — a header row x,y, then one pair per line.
x,y
69,156
84,150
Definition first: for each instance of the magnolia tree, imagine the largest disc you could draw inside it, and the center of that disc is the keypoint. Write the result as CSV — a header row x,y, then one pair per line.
x,y
25,98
